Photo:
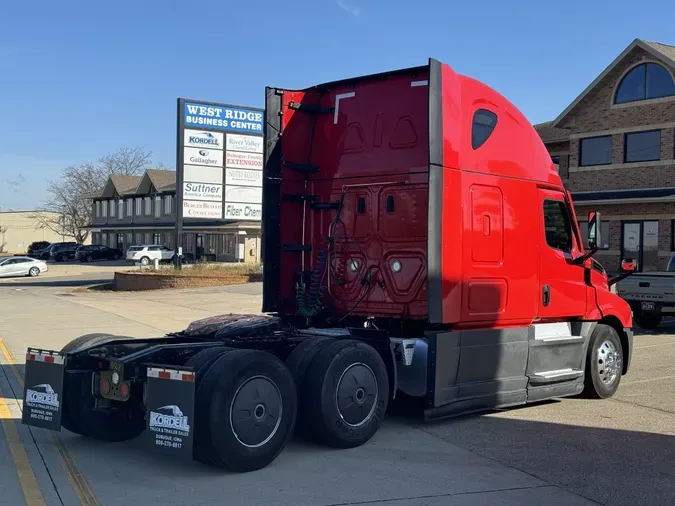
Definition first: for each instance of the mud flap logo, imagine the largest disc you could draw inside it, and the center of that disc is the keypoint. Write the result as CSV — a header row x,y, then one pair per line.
x,y
169,419
42,396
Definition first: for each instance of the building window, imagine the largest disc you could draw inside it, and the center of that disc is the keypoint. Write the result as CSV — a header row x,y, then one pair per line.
x,y
645,81
139,206
97,211
113,206
484,123
156,238
168,204
120,209
130,207
557,225
148,206
604,232
595,150
158,206
642,146
104,209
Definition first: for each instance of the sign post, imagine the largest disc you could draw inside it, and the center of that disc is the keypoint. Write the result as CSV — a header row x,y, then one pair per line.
x,y
219,160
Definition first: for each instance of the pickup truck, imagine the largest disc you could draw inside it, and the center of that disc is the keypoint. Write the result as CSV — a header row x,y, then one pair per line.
x,y
651,295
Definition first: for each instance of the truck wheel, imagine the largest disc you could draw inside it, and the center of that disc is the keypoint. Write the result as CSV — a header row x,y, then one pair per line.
x,y
298,363
648,322
77,418
604,363
248,404
347,393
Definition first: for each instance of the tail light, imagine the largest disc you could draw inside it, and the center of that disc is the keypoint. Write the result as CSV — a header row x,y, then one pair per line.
x,y
124,389
104,386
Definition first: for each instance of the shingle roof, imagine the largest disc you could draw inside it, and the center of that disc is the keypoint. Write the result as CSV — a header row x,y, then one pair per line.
x,y
663,52
125,184
550,134
162,180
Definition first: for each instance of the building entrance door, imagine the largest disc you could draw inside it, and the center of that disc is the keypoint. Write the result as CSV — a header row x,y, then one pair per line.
x,y
200,247
640,241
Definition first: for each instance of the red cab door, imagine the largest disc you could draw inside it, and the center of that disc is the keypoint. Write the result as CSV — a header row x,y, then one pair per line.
x,y
562,289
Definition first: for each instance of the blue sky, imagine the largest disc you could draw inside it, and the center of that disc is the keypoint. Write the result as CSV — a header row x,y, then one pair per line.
x,y
80,79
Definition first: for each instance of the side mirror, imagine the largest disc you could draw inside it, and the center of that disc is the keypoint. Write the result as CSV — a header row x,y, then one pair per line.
x,y
628,265
594,234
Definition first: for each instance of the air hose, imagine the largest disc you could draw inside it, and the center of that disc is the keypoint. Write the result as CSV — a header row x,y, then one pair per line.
x,y
310,297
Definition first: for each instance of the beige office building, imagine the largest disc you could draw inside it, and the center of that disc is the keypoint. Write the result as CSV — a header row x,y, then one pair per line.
x,y
18,230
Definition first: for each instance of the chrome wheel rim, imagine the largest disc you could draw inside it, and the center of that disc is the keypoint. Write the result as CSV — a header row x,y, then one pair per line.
x,y
608,362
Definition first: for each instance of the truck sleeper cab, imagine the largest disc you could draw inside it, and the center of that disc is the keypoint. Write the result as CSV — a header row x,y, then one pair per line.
x,y
417,239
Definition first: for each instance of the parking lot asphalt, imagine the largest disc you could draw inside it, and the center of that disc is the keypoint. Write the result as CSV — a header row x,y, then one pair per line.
x,y
617,451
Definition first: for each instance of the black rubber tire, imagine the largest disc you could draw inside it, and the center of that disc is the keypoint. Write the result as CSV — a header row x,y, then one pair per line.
x,y
594,387
298,363
201,362
649,321
77,415
323,380
145,261
220,387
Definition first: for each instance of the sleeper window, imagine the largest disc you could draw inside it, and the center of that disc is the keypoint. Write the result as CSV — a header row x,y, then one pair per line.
x,y
557,225
484,123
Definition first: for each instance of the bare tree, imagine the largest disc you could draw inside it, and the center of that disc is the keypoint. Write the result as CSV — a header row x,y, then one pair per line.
x,y
67,210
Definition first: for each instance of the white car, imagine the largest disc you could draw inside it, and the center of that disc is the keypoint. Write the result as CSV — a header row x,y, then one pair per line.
x,y
22,266
145,254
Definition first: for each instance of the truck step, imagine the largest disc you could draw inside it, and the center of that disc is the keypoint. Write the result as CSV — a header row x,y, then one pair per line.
x,y
311,109
303,168
555,376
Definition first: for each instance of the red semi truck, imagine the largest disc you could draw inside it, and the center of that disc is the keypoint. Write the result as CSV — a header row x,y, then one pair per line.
x,y
417,239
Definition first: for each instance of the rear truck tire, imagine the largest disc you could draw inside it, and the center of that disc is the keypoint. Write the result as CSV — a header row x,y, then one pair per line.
x,y
78,415
648,321
145,261
298,363
347,394
604,363
246,409
201,362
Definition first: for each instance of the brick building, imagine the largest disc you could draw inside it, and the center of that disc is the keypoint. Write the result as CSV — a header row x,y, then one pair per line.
x,y
131,210
615,150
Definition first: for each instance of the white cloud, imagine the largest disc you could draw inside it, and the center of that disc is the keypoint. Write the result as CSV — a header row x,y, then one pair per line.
x,y
351,9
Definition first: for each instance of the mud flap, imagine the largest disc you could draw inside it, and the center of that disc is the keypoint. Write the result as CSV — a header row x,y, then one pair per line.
x,y
170,400
43,389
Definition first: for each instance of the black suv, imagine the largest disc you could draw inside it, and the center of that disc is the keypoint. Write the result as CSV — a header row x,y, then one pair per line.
x,y
97,252
62,251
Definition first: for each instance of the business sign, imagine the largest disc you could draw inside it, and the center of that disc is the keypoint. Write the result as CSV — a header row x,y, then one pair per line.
x,y
204,139
221,117
200,209
246,143
202,191
243,212
219,162
203,156
238,160
243,177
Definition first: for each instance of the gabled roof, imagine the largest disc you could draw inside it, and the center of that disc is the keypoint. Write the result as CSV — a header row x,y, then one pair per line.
x,y
120,185
548,134
160,180
660,51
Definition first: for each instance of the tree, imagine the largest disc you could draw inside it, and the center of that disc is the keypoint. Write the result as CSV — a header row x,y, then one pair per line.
x,y
67,210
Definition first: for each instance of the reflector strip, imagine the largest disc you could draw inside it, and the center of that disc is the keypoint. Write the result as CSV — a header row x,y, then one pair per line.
x,y
173,374
51,357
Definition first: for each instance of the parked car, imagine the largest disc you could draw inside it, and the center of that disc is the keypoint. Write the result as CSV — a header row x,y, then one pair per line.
x,y
97,252
651,295
22,266
145,254
62,251
36,246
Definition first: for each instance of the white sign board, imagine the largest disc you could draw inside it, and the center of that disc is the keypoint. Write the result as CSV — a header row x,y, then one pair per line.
x,y
203,191
243,212
243,194
196,209
237,160
246,143
203,156
243,177
203,174
204,139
